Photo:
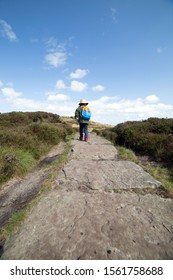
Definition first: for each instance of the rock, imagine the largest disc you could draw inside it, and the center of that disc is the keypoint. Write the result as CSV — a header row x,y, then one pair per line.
x,y
99,211
78,225
105,175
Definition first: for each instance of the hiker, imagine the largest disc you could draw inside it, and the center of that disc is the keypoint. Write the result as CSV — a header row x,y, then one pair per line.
x,y
82,115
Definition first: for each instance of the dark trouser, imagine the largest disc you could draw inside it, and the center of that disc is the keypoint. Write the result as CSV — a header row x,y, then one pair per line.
x,y
83,128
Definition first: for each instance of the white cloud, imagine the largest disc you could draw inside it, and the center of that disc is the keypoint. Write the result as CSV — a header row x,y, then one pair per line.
x,y
56,52
78,86
114,14
111,110
16,100
6,31
25,104
56,59
52,45
78,74
98,88
57,97
60,84
10,93
65,110
55,103
152,98
103,100
1,83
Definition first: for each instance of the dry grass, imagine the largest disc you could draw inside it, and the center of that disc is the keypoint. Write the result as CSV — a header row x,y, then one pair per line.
x,y
92,125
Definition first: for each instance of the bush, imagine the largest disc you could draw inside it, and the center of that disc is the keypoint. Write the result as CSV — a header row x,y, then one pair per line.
x,y
49,134
25,137
153,137
160,126
21,118
110,135
14,161
13,118
43,116
8,164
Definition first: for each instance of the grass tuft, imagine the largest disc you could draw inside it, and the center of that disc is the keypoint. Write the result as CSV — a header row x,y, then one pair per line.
x,y
126,154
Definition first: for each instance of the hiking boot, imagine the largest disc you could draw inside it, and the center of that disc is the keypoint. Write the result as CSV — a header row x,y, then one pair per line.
x,y
80,138
86,139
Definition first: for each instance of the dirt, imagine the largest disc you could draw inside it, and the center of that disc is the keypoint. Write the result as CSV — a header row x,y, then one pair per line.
x,y
100,208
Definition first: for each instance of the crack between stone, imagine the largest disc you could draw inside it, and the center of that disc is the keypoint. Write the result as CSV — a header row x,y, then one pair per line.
x,y
63,170
144,191
166,228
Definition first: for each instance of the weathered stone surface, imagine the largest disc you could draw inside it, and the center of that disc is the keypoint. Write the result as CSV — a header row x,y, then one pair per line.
x,y
98,149
95,165
96,225
98,213
105,175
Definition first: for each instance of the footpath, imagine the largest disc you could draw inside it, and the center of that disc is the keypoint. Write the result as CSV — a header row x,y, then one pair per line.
x,y
101,208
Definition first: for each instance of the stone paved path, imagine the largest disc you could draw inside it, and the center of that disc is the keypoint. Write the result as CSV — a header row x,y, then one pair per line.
x,y
102,208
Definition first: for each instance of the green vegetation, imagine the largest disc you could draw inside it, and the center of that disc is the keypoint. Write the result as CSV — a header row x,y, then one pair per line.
x,y
17,218
164,175
152,138
49,183
127,154
25,137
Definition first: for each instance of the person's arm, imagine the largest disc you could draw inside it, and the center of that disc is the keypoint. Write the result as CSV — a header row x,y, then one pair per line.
x,y
77,114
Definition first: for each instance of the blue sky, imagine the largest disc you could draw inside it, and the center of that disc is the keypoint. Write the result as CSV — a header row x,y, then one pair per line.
x,y
117,54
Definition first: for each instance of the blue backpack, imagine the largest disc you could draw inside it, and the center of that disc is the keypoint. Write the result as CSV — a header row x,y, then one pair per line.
x,y
86,113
